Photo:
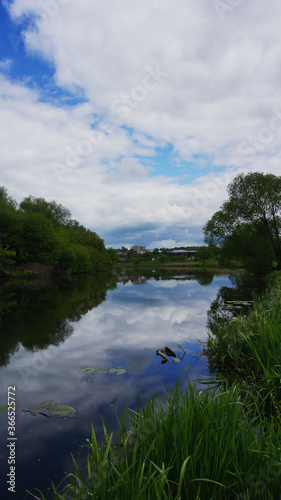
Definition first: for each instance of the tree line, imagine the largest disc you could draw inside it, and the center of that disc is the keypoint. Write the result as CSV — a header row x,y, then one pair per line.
x,y
247,228
43,232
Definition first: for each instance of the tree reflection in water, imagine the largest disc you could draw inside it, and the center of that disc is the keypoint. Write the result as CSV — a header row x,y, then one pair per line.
x,y
233,301
25,317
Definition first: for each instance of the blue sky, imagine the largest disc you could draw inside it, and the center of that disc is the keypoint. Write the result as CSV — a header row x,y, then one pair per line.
x,y
137,115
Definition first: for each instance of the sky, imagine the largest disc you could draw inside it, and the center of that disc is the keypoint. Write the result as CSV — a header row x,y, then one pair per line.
x,y
136,115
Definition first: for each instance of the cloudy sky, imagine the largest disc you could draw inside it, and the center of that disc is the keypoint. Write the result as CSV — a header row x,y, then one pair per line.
x,y
137,115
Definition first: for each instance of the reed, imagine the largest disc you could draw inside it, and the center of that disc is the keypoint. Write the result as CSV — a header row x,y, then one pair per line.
x,y
247,351
187,446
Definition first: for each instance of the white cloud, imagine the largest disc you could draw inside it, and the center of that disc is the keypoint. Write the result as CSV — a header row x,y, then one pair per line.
x,y
158,73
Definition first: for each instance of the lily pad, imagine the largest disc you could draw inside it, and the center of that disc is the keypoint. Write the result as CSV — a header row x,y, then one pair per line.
x,y
112,371
120,371
44,405
55,410
63,411
176,360
87,370
3,409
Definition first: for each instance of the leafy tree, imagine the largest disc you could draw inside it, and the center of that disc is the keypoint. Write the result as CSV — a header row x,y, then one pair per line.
x,y
42,231
53,211
6,200
112,256
8,214
38,240
6,257
203,253
250,247
79,234
163,257
253,208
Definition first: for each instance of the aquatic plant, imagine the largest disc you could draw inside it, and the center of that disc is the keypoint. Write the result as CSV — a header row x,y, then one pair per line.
x,y
3,409
54,410
192,445
111,371
247,350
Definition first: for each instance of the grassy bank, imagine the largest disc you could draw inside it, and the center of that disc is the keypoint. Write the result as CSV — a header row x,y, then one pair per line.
x,y
192,446
224,443
248,351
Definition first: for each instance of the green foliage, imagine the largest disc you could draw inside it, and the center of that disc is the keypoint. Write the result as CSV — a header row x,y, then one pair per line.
x,y
163,257
115,371
192,445
248,350
249,246
3,409
248,225
5,200
38,238
55,410
203,253
68,299
6,257
41,231
56,213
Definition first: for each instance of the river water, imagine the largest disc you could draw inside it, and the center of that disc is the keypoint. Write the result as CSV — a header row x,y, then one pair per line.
x,y
50,331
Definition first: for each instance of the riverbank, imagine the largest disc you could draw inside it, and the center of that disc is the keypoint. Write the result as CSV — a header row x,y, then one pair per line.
x,y
217,444
247,351
193,445
188,265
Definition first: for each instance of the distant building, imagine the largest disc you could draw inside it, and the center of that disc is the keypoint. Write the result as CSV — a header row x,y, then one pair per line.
x,y
138,249
178,253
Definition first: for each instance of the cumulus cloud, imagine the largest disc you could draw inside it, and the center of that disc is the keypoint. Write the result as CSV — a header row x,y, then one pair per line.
x,y
200,78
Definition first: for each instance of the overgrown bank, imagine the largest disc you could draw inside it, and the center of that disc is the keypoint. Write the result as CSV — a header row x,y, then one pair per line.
x,y
42,232
247,351
220,444
191,446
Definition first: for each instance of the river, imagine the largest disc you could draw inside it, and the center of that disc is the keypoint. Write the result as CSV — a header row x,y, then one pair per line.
x,y
52,330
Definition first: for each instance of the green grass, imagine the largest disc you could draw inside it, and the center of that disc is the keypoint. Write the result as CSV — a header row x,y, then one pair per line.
x,y
189,446
248,351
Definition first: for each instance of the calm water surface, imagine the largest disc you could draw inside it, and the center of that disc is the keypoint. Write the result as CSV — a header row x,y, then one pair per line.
x,y
49,333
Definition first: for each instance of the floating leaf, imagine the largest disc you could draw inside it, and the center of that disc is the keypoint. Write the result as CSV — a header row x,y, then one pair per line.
x,y
120,371
44,405
87,370
55,410
63,411
176,360
3,408
112,370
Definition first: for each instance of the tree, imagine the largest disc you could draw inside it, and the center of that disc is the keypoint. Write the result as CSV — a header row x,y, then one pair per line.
x,y
253,207
6,257
53,211
38,241
203,253
6,200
